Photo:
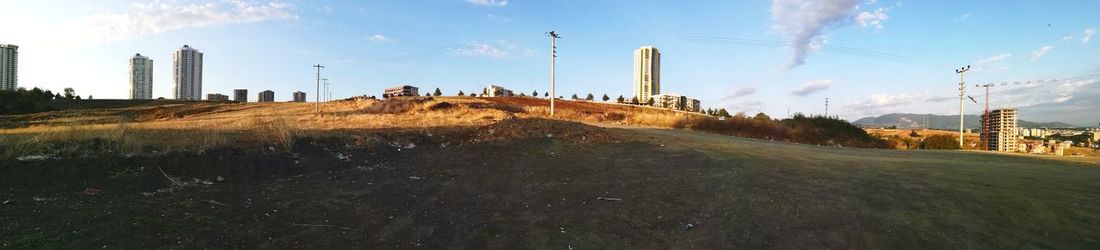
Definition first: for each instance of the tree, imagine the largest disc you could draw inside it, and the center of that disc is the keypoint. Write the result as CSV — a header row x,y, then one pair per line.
x,y
89,97
723,112
589,97
941,141
634,100
69,93
535,93
649,102
605,98
761,116
460,93
427,94
473,95
437,92
574,96
621,99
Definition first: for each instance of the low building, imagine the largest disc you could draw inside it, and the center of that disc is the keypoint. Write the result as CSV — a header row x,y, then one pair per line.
x,y
677,102
299,96
403,90
217,97
266,96
240,95
496,91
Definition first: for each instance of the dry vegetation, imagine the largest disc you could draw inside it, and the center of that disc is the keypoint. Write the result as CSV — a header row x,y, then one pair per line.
x,y
200,126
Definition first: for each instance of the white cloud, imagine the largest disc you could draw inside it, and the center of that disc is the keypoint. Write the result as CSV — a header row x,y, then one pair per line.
x,y
489,2
804,20
883,103
379,38
739,92
872,19
160,17
1035,55
992,64
1087,35
1067,38
499,49
812,87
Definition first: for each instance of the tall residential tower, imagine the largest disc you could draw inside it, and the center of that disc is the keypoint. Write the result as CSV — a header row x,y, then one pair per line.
x,y
9,67
141,77
187,73
647,73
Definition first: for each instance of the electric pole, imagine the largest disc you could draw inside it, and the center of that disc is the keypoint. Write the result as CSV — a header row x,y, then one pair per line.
x,y
553,60
318,93
962,94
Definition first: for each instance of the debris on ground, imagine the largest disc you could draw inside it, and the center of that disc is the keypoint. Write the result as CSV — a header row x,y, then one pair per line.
x,y
217,203
342,157
415,177
608,199
9,202
206,182
91,191
33,157
687,226
220,179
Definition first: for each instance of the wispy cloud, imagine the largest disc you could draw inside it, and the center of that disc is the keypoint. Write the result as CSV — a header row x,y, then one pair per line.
x,y
159,17
739,92
489,2
812,87
872,19
992,64
884,103
1035,55
803,21
1087,35
379,38
961,17
499,49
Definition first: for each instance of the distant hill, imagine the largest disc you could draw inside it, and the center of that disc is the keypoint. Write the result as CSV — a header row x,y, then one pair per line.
x,y
943,121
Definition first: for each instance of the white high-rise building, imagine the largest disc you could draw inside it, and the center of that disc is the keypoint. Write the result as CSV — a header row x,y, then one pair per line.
x,y
141,77
187,73
647,73
9,67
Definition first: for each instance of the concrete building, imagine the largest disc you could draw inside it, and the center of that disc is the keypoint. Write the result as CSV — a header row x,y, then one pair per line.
x,y
266,96
496,91
217,97
677,102
299,96
187,73
9,67
403,90
1002,130
141,77
240,95
647,73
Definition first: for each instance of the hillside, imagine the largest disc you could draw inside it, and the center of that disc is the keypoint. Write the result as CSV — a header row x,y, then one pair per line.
x,y
497,173
943,121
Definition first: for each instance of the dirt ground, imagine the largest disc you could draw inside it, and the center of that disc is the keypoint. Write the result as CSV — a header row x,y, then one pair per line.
x,y
550,187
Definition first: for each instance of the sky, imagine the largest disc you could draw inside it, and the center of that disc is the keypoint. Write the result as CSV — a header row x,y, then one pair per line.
x,y
778,57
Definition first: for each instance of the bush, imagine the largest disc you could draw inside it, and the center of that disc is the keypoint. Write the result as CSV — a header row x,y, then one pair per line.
x,y
940,142
23,101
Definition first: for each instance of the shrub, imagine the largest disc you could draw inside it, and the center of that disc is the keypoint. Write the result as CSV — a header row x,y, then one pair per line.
x,y
940,142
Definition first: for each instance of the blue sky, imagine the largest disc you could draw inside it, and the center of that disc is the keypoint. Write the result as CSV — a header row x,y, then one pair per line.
x,y
467,44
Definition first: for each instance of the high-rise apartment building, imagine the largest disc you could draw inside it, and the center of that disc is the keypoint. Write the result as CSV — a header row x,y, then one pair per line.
x,y
266,96
299,96
187,73
647,73
9,67
217,97
141,77
1001,132
240,95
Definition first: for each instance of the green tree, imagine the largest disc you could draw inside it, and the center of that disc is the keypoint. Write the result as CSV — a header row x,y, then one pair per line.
x,y
69,93
621,99
723,112
460,93
545,94
940,142
605,98
634,100
437,92
649,102
535,93
761,116
574,96
589,97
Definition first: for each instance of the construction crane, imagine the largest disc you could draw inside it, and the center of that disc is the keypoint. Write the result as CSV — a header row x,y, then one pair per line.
x,y
985,118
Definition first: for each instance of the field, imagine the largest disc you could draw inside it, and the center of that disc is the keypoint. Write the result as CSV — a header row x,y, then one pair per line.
x,y
497,173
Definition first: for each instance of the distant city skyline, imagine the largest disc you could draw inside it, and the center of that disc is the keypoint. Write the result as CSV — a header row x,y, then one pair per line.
x,y
868,57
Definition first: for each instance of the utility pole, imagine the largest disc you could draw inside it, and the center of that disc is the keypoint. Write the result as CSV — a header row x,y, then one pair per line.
x,y
985,116
553,60
962,94
826,107
318,93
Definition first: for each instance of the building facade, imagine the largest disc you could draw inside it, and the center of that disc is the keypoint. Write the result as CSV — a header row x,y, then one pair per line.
x,y
677,102
266,96
240,95
187,73
217,97
496,91
299,96
403,90
141,77
9,67
647,73
1001,133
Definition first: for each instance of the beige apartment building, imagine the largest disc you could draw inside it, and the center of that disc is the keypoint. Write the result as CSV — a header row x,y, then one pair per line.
x,y
647,73
1002,130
